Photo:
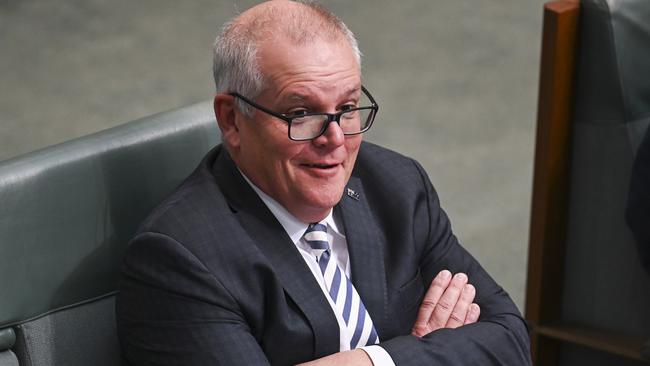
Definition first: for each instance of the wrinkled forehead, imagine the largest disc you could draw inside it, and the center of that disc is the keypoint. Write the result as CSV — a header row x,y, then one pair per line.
x,y
322,63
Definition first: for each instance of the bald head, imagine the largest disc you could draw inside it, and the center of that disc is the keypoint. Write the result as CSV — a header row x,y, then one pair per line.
x,y
294,21
235,64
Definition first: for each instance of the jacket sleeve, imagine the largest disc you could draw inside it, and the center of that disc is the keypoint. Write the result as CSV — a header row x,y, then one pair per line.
x,y
500,337
172,311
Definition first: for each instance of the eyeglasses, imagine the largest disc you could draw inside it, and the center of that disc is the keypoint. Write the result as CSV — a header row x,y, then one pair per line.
x,y
308,126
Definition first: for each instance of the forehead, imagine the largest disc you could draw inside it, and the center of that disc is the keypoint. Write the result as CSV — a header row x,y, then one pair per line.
x,y
321,64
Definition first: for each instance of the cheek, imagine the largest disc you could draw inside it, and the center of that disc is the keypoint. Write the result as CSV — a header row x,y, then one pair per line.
x,y
352,146
286,157
272,146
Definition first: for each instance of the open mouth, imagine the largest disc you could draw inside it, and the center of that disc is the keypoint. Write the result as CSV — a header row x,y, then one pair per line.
x,y
320,166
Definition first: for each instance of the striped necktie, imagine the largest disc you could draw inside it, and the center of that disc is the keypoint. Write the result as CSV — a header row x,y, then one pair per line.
x,y
341,290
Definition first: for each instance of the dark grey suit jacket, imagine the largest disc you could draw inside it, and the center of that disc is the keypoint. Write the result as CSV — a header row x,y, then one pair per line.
x,y
211,278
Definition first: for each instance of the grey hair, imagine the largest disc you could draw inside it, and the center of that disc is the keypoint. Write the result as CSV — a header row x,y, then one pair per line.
x,y
235,67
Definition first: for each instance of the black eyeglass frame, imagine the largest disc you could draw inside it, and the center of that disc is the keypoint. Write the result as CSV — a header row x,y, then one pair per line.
x,y
331,117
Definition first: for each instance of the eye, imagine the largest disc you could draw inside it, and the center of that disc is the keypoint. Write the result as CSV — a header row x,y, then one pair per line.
x,y
296,113
347,107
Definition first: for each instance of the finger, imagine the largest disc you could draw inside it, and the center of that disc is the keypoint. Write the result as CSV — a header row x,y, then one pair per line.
x,y
459,314
473,313
435,291
447,301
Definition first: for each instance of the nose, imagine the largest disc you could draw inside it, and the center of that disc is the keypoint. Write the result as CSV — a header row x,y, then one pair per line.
x,y
333,136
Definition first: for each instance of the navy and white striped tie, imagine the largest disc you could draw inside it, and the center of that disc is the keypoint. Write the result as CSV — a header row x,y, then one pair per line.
x,y
341,290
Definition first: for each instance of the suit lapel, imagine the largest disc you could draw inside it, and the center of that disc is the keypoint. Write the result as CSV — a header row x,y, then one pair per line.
x,y
366,244
269,235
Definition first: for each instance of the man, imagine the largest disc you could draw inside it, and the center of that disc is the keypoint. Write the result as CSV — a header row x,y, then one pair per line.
x,y
293,241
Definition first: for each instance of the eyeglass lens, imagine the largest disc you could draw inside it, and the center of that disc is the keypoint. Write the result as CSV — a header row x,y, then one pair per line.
x,y
352,122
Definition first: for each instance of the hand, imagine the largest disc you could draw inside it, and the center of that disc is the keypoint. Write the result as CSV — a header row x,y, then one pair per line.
x,y
448,303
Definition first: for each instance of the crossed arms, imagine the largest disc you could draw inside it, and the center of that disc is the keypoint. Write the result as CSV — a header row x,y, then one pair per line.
x,y
448,303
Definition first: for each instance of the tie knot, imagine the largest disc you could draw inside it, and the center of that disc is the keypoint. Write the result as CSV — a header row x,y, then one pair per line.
x,y
316,237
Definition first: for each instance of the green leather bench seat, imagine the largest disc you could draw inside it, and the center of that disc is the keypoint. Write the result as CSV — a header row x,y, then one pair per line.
x,y
66,215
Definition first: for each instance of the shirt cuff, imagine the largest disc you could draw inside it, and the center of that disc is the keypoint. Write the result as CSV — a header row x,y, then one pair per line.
x,y
378,355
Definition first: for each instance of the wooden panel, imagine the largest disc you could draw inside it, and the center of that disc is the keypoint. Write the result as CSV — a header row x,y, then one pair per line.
x,y
550,179
615,343
545,350
550,182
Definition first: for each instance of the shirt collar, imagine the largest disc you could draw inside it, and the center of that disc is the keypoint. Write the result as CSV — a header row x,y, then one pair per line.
x,y
294,227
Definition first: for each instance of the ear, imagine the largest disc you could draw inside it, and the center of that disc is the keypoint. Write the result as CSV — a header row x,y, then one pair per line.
x,y
226,112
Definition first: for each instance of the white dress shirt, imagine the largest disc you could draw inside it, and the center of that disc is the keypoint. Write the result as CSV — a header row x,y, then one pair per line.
x,y
338,251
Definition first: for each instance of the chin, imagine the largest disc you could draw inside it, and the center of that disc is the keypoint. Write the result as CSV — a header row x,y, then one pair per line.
x,y
326,201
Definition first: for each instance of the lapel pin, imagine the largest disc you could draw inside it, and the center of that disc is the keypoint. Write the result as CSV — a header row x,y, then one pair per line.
x,y
353,194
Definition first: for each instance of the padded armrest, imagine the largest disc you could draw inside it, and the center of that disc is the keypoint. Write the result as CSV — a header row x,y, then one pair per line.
x,y
7,339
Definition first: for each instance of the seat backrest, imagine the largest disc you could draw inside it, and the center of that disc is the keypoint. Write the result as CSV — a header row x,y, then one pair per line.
x,y
610,116
586,285
66,215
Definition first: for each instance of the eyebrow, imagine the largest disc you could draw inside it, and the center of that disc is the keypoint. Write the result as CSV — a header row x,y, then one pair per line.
x,y
297,97
302,97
